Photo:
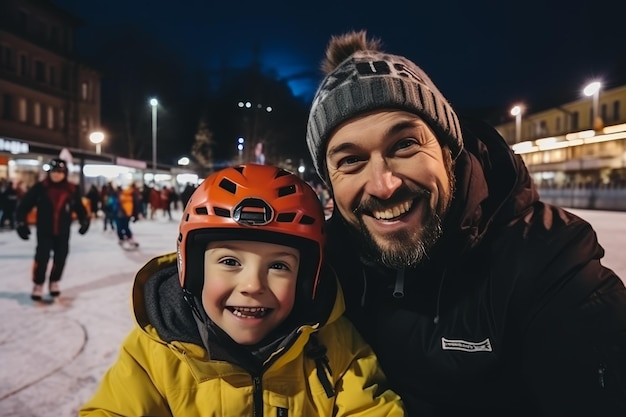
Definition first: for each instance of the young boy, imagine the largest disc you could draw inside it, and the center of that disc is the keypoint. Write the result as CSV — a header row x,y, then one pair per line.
x,y
245,319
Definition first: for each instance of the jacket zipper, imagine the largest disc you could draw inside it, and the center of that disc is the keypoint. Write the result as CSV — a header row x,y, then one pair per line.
x,y
257,396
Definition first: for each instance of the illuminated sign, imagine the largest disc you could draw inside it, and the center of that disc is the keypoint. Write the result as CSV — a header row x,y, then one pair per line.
x,y
13,146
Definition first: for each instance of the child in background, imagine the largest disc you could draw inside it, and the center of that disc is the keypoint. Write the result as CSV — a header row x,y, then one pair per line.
x,y
245,319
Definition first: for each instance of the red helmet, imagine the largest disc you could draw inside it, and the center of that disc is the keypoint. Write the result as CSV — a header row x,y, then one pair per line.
x,y
252,202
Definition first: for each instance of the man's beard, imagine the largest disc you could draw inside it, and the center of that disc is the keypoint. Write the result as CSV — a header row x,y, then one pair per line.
x,y
405,248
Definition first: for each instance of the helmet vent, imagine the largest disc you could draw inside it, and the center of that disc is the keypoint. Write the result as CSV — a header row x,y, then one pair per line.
x,y
253,211
285,217
281,173
201,210
228,185
287,190
222,212
307,220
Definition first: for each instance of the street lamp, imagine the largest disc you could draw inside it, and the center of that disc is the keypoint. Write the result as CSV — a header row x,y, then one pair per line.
x,y
517,112
593,89
154,103
97,138
240,143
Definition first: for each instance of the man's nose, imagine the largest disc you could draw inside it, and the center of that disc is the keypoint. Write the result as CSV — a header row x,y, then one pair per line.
x,y
381,181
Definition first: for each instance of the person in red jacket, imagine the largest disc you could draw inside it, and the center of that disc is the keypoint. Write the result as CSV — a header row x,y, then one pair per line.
x,y
55,199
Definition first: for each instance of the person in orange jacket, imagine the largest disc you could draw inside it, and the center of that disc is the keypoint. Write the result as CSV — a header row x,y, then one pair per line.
x,y
123,207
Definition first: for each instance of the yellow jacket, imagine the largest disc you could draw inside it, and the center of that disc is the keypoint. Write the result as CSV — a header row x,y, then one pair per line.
x,y
156,378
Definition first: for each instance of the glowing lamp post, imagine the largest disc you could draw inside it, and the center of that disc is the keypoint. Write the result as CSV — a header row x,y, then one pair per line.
x,y
97,138
517,112
154,103
593,90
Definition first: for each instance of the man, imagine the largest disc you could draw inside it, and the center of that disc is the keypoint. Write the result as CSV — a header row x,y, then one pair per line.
x,y
55,199
478,298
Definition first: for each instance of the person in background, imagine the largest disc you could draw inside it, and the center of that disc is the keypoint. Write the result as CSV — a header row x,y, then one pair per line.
x,y
8,203
244,319
477,297
55,199
108,198
123,205
155,201
185,195
166,202
94,200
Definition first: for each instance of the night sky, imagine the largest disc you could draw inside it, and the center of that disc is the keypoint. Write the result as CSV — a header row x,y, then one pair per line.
x,y
479,53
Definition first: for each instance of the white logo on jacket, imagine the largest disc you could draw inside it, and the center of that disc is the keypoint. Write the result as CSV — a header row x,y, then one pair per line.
x,y
464,345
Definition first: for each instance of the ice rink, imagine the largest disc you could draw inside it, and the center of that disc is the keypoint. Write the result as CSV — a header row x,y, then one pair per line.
x,y
53,356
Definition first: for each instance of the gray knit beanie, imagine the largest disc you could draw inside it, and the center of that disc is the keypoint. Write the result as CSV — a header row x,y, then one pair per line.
x,y
371,80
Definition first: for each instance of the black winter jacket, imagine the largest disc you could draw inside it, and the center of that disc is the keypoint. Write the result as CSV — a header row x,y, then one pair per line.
x,y
55,203
512,314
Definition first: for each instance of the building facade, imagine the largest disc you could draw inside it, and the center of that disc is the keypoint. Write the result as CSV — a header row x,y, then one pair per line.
x,y
49,99
569,146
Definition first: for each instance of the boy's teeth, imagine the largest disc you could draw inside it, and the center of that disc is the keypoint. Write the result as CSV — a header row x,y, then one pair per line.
x,y
249,311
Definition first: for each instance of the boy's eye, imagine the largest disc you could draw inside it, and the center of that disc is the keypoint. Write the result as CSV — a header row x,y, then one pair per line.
x,y
348,161
229,262
279,265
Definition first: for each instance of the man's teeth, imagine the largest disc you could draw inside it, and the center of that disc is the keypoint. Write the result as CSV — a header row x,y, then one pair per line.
x,y
393,212
247,312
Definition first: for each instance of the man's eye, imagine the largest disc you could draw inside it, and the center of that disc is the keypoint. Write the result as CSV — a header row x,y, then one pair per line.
x,y
406,143
348,160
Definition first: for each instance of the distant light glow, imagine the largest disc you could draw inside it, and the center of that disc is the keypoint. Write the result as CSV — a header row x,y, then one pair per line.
x,y
96,137
592,88
187,178
107,171
154,102
240,147
184,161
516,110
269,109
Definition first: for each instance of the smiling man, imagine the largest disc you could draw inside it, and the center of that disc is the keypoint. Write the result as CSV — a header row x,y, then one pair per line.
x,y
478,298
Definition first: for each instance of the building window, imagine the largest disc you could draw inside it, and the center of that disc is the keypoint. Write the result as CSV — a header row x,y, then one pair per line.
x,y
22,20
22,108
575,121
37,114
54,36
84,90
616,111
50,118
543,127
603,112
7,57
52,76
40,71
7,106
61,119
24,70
